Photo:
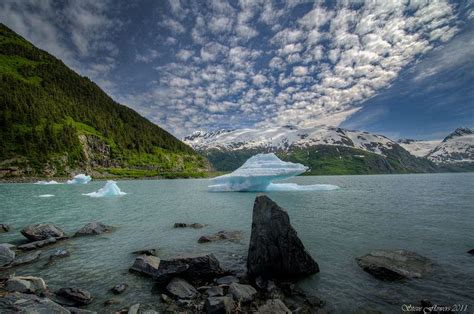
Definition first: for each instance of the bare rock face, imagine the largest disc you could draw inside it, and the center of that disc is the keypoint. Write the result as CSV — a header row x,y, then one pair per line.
x,y
40,232
275,251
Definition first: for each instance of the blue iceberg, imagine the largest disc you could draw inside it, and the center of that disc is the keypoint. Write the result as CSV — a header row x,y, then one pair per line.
x,y
258,172
109,189
47,182
80,179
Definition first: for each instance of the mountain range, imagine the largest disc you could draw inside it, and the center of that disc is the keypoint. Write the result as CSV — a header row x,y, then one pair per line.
x,y
331,150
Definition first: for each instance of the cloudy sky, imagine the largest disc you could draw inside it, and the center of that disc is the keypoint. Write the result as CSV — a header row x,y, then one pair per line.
x,y
401,68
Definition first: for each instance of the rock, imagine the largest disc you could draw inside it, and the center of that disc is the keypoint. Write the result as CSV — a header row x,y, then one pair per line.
x,y
366,310
185,225
471,251
75,310
194,267
215,291
275,251
196,225
39,232
8,245
181,289
29,303
180,225
119,288
242,293
7,256
394,265
273,306
26,284
37,244
152,252
221,235
58,253
149,312
146,265
218,305
4,228
111,302
26,259
93,228
226,280
166,299
134,309
77,295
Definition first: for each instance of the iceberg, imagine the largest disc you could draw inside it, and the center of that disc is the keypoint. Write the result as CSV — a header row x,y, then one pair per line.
x,y
109,189
257,174
47,182
80,179
46,195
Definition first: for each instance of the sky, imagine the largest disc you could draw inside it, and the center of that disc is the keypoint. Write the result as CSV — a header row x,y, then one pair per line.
x,y
399,68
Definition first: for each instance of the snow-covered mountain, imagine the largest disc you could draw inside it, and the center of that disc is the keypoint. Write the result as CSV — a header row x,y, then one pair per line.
x,y
457,147
417,147
286,138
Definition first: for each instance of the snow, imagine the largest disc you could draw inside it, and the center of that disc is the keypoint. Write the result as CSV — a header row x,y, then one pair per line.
x,y
47,182
454,150
257,174
80,179
109,189
419,148
46,195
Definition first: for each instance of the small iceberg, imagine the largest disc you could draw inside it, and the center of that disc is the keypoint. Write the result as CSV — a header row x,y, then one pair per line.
x,y
47,182
80,179
46,195
109,189
258,172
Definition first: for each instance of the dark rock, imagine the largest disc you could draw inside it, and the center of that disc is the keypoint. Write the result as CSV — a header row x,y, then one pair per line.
x,y
219,305
181,289
26,284
75,310
471,251
180,225
146,265
166,299
37,244
77,295
93,228
274,306
367,310
232,236
119,288
29,303
275,251
57,254
7,256
27,258
394,265
242,293
226,280
196,225
111,302
194,267
185,225
215,291
152,252
4,228
39,232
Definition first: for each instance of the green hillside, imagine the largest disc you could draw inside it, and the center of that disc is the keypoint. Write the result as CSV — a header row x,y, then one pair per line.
x,y
56,122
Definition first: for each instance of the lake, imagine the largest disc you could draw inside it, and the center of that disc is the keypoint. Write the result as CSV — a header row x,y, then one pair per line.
x,y
431,214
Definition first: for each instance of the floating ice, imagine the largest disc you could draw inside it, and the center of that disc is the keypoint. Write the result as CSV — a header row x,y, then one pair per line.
x,y
109,189
46,195
258,172
80,179
47,182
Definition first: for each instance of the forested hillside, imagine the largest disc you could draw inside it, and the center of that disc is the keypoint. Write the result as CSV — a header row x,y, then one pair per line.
x,y
55,122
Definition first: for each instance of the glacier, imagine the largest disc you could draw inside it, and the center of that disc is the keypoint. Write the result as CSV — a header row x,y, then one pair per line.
x,y
47,182
109,189
80,179
257,174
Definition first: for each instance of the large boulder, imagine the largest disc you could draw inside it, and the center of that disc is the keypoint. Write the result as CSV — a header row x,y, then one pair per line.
x,y
39,232
29,303
26,284
219,305
146,265
242,293
194,267
93,228
275,251
181,289
7,256
77,295
394,265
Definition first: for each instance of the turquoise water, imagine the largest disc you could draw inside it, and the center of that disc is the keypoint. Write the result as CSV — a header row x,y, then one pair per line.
x,y
431,214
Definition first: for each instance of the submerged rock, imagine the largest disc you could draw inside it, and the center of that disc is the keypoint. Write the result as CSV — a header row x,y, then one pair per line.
x,y
471,251
27,258
185,225
119,288
146,265
29,303
275,251
93,228
38,232
181,289
274,306
221,235
36,244
394,265
57,254
242,293
219,305
4,228
76,295
195,267
152,252
7,256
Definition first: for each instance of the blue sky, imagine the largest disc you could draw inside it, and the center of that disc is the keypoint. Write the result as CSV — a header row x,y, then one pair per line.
x,y
400,68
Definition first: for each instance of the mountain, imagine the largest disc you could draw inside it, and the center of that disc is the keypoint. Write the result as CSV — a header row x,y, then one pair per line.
x,y
418,148
56,122
326,150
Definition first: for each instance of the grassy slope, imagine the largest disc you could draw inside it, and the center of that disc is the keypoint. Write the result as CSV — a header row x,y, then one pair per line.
x,y
45,107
